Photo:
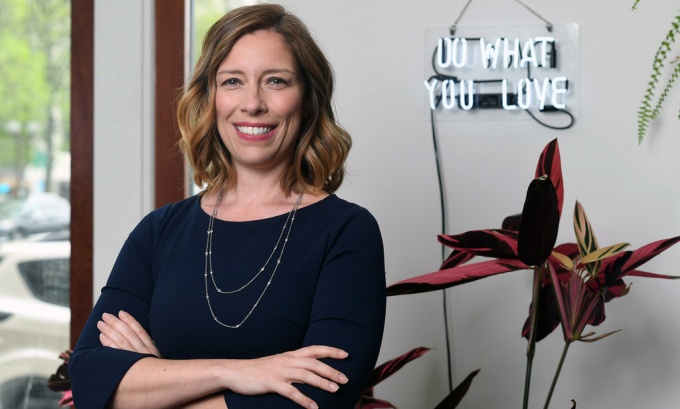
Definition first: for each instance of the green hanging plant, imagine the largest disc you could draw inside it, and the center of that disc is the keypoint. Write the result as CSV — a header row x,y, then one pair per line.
x,y
649,110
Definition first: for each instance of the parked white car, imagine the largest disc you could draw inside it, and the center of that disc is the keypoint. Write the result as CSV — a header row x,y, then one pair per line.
x,y
34,319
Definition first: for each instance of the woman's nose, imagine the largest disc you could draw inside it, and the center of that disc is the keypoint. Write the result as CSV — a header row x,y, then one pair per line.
x,y
253,103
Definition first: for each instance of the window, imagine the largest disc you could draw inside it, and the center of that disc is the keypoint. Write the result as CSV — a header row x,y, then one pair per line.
x,y
34,198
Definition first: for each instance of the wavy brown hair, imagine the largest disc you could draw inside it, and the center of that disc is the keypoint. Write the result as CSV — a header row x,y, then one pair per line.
x,y
322,145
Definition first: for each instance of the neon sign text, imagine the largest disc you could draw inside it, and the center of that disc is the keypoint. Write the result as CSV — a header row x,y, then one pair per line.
x,y
511,58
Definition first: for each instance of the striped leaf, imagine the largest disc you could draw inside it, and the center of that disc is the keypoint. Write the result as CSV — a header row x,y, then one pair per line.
x,y
585,237
454,398
451,277
486,243
387,369
604,252
646,253
638,273
564,260
455,258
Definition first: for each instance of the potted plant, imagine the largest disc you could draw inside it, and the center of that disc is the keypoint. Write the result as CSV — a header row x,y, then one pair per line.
x,y
572,282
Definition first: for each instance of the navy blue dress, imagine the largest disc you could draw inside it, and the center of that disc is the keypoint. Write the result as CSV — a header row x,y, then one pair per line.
x,y
328,290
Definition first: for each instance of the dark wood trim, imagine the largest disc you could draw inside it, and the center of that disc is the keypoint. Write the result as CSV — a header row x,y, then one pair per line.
x,y
169,163
82,129
169,63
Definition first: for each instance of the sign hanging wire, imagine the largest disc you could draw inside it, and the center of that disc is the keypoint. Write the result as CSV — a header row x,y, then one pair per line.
x,y
548,25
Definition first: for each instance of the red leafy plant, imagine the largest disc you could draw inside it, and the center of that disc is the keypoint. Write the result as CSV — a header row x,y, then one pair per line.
x,y
384,371
61,381
571,282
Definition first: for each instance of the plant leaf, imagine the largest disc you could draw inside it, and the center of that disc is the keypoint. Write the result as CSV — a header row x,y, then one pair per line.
x,y
450,277
487,243
549,163
585,237
548,317
647,252
539,224
563,259
369,402
387,369
587,337
455,258
568,249
60,381
457,394
561,305
638,273
512,222
604,252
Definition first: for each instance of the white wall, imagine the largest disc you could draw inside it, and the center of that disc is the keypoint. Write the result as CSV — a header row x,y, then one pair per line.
x,y
123,125
629,192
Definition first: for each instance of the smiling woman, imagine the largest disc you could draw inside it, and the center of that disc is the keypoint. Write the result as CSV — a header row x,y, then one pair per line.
x,y
281,282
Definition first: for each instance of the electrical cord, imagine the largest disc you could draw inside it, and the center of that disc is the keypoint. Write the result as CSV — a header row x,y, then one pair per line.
x,y
442,204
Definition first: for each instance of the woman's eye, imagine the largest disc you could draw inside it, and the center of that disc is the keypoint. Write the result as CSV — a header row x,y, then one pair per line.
x,y
231,82
278,81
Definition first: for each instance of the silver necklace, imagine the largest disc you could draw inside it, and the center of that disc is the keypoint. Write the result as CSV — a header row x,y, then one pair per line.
x,y
209,267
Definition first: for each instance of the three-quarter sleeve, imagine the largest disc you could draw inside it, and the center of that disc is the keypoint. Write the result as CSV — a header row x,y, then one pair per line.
x,y
348,312
96,370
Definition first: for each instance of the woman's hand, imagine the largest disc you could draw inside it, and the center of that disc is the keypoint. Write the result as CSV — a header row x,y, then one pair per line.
x,y
124,332
277,373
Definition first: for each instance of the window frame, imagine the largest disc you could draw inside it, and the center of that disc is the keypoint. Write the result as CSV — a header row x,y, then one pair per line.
x,y
169,179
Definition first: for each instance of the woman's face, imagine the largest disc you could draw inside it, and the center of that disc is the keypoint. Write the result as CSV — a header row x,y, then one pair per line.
x,y
259,102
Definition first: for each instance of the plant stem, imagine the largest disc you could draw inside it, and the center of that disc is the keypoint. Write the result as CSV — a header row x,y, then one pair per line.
x,y
557,374
527,380
533,321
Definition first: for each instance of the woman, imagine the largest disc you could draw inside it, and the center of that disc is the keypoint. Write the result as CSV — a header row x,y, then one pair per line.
x,y
266,290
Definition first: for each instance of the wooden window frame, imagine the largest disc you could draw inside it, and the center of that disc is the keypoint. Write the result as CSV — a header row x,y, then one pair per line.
x,y
169,184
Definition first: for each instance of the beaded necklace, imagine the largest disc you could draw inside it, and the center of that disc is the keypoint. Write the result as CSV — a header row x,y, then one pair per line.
x,y
209,266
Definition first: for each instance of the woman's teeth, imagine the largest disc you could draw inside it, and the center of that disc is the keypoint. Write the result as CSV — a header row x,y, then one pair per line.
x,y
254,130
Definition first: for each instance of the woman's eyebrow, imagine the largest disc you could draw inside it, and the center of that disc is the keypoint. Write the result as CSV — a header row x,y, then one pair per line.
x,y
266,72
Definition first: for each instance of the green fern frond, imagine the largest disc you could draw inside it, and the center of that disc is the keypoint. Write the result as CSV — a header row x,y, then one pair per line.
x,y
664,94
646,113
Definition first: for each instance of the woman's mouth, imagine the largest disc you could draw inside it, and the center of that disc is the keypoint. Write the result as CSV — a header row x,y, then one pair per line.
x,y
254,130
254,133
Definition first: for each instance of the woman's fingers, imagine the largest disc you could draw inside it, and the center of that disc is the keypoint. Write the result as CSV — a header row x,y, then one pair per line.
x,y
291,392
319,374
125,333
309,360
139,331
307,371
112,337
319,351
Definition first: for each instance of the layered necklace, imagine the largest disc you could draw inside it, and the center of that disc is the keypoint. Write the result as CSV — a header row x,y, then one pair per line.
x,y
287,227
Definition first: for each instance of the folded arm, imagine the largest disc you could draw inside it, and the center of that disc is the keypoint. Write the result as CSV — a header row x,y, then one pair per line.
x,y
160,383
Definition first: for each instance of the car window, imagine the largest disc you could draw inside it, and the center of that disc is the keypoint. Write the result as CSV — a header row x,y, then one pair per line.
x,y
48,279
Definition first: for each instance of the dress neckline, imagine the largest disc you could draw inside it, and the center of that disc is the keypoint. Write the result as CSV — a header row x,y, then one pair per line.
x,y
265,219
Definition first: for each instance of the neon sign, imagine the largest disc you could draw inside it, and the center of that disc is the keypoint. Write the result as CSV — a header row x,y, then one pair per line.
x,y
508,72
